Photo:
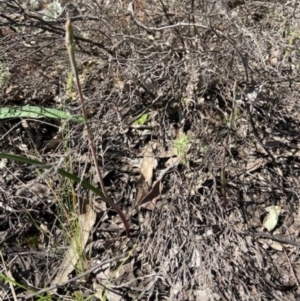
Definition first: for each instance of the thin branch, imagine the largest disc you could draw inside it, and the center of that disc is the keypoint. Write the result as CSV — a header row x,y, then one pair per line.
x,y
225,150
218,32
277,238
50,288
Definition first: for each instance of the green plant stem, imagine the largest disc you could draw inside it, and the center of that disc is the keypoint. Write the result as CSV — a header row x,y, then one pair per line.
x,y
71,50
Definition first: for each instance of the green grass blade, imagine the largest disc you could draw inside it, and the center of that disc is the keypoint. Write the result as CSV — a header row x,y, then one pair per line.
x,y
36,112
62,172
84,183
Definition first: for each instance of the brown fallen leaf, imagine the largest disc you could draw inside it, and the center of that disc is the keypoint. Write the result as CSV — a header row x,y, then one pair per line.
x,y
271,220
149,201
160,152
145,180
77,245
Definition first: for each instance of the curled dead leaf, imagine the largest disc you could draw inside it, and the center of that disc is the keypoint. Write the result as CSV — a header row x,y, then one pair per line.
x,y
271,219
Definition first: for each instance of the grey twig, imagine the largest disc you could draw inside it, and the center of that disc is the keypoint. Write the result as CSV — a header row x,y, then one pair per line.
x,y
277,238
44,290
218,32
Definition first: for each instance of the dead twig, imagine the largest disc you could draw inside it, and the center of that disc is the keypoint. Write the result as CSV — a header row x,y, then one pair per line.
x,y
226,142
180,24
277,238
94,268
291,268
255,132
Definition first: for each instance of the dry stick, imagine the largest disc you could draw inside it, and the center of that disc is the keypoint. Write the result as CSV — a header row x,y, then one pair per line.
x,y
165,10
278,238
71,50
217,32
223,172
50,288
291,268
255,132
50,25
